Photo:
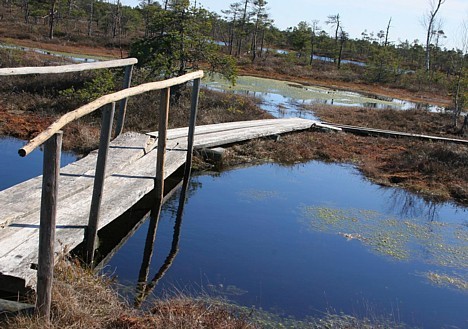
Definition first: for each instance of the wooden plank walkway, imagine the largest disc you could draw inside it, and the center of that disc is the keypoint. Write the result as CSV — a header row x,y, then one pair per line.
x,y
130,175
391,133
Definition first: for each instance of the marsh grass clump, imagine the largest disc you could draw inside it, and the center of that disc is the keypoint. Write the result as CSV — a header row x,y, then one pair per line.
x,y
79,300
416,121
435,170
442,166
84,300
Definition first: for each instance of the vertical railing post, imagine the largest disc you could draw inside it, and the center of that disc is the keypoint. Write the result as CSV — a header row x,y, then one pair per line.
x,y
162,135
45,269
192,124
123,102
91,233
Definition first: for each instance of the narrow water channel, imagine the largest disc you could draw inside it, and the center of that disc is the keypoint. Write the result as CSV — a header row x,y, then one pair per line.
x,y
284,99
15,169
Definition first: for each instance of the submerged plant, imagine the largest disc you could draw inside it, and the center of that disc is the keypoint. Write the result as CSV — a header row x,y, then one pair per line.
x,y
440,244
259,195
447,280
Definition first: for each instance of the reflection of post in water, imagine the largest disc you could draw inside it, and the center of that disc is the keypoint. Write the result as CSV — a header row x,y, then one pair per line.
x,y
144,288
149,243
158,184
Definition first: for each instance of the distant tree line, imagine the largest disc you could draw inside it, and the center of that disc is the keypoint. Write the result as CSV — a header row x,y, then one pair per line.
x,y
171,37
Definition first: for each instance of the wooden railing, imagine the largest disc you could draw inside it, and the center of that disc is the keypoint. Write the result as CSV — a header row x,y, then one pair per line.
x,y
128,63
51,138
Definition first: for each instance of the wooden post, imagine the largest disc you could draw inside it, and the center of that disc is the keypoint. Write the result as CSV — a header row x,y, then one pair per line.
x,y
91,234
45,269
123,102
192,124
162,133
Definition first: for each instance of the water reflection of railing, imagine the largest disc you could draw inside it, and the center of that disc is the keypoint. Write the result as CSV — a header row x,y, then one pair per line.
x,y
145,287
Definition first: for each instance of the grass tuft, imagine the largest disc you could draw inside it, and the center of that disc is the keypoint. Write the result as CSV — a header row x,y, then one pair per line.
x,y
83,300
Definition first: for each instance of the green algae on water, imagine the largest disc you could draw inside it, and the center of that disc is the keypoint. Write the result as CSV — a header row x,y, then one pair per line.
x,y
454,281
435,243
259,195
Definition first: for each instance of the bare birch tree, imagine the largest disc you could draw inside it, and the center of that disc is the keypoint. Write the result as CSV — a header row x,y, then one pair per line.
x,y
429,22
460,92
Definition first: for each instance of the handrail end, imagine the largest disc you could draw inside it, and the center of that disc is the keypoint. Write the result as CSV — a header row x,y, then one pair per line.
x,y
22,152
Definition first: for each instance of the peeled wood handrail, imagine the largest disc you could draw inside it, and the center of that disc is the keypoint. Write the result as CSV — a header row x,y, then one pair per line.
x,y
101,101
67,68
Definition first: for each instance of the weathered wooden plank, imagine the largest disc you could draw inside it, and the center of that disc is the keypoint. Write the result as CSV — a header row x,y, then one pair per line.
x,y
68,68
10,307
200,141
392,133
163,122
74,177
123,189
227,126
224,138
123,102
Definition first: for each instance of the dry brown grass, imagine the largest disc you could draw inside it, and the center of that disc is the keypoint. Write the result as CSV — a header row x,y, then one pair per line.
x,y
411,121
214,107
350,77
183,312
437,171
82,300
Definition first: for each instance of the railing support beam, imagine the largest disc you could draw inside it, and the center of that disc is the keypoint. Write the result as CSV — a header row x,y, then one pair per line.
x,y
45,269
162,135
123,102
98,188
192,124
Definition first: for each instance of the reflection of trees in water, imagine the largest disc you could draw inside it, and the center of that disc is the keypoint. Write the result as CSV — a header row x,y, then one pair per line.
x,y
408,205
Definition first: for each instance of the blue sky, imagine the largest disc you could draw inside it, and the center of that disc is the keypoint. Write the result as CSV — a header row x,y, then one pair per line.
x,y
359,15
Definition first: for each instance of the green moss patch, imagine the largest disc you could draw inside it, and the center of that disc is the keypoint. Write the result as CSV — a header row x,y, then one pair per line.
x,y
454,281
259,195
436,243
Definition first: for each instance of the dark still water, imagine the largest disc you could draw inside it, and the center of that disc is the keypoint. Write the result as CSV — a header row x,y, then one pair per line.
x,y
303,240
15,169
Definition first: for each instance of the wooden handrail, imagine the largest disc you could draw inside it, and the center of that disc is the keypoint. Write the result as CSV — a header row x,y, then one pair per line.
x,y
51,171
101,101
67,68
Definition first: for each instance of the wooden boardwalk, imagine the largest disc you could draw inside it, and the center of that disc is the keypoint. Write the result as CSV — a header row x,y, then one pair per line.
x,y
130,175
391,133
